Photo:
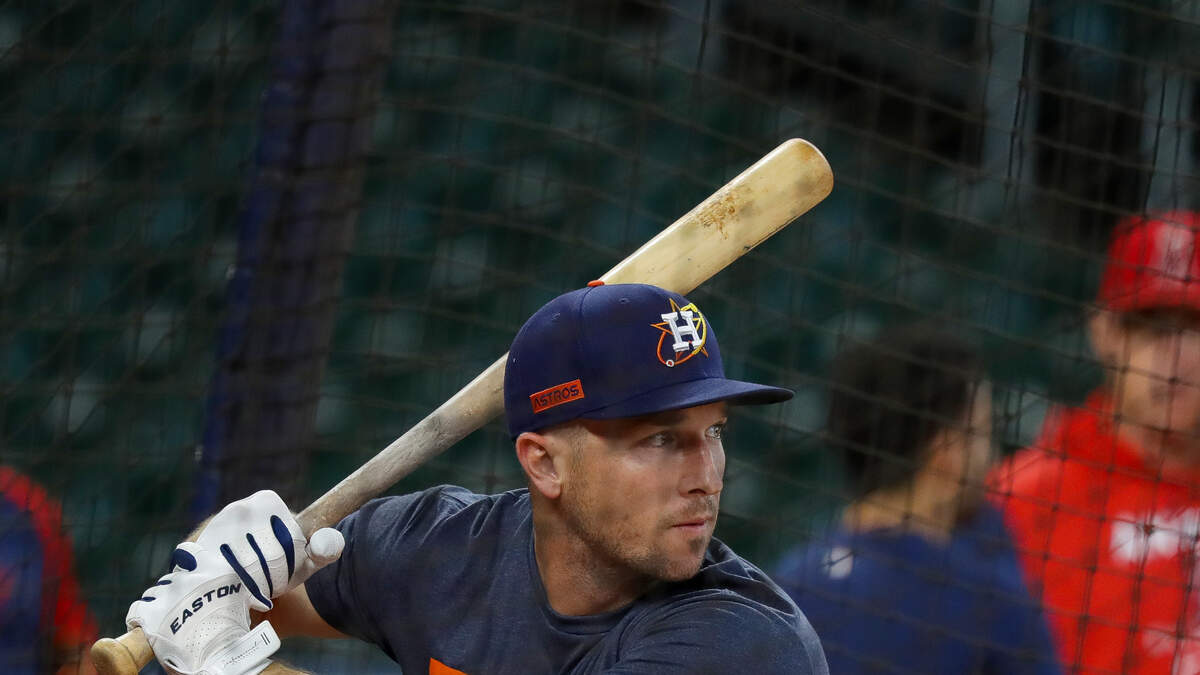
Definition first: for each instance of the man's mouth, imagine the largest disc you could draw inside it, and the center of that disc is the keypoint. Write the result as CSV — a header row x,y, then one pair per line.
x,y
697,525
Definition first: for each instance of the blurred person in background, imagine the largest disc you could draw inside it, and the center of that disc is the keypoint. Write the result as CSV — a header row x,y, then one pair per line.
x,y
45,627
919,575
1105,506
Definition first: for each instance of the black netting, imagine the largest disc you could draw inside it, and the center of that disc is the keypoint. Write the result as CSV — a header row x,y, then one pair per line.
x,y
509,150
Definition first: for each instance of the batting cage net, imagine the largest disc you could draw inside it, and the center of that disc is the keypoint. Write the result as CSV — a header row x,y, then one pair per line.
x,y
247,244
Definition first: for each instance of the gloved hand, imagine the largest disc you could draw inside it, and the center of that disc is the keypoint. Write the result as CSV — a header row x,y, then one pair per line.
x,y
197,618
264,545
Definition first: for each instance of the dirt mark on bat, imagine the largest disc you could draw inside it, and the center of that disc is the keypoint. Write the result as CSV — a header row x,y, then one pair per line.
x,y
724,206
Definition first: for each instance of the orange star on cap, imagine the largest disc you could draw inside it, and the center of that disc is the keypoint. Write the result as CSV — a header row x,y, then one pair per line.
x,y
701,327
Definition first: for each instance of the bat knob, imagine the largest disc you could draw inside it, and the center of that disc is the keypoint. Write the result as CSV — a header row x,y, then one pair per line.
x,y
124,656
325,546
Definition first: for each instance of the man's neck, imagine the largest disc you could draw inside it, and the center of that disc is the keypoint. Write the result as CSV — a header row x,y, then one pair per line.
x,y
907,509
577,580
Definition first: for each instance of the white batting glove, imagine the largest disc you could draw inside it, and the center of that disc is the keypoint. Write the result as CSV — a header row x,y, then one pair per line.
x,y
197,618
264,545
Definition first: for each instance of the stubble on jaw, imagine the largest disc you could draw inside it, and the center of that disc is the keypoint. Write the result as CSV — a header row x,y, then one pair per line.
x,y
611,542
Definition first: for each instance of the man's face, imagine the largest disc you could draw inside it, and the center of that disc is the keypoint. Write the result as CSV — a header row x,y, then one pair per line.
x,y
643,493
1156,356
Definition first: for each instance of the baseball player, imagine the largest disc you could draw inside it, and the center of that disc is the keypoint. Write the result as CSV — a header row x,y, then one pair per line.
x,y
1105,506
616,399
45,624
917,577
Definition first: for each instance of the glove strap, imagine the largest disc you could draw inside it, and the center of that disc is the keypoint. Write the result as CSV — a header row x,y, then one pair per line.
x,y
247,656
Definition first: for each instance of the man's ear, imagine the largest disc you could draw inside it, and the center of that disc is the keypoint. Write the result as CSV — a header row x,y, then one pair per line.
x,y
1104,334
536,453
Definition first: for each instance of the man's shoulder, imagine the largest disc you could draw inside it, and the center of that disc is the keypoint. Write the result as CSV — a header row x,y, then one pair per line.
x,y
730,591
825,556
1048,491
445,500
725,607
984,553
1037,471
416,559
726,629
435,509
823,574
25,498
1075,443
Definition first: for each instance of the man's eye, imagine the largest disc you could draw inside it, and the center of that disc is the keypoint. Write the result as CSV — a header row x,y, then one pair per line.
x,y
659,440
1165,331
717,431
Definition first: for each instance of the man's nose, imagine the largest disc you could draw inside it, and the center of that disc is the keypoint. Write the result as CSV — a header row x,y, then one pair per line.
x,y
706,470
1185,357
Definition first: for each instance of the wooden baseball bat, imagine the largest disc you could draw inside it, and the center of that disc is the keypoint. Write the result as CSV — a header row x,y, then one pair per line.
x,y
759,202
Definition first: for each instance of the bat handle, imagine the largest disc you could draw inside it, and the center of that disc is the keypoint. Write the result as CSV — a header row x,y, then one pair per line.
x,y
123,656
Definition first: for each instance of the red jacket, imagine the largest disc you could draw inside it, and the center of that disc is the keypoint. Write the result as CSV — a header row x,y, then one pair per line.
x,y
1108,543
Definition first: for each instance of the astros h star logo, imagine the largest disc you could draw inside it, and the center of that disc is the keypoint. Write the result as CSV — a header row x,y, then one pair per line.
x,y
687,329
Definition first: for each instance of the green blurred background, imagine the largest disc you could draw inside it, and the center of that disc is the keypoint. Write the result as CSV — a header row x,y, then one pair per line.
x,y
519,148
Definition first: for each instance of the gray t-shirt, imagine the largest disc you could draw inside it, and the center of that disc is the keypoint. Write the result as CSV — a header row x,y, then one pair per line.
x,y
447,579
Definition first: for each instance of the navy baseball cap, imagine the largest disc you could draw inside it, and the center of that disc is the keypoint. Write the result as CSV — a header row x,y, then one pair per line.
x,y
617,350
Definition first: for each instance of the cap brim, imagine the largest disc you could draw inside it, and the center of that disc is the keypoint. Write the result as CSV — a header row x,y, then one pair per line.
x,y
691,394
1157,296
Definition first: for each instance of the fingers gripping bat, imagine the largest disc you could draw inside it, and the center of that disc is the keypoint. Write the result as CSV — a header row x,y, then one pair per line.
x,y
759,202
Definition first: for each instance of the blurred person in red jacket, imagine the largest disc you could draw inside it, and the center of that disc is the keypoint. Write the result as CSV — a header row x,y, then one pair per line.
x,y
1105,506
45,626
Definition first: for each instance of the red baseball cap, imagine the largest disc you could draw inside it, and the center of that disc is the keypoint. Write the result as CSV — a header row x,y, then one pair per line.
x,y
1153,262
